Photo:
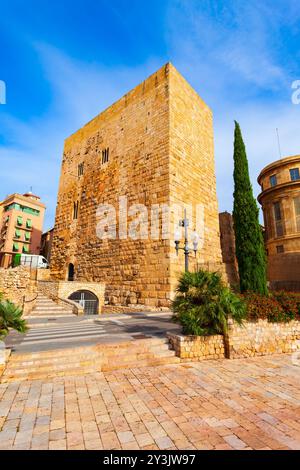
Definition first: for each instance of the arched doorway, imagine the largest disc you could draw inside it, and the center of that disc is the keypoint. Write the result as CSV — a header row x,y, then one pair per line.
x,y
71,272
87,300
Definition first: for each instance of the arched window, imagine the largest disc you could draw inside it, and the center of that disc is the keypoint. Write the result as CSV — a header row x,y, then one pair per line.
x,y
71,272
87,300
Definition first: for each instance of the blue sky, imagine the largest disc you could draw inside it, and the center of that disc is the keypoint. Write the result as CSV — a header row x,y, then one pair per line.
x,y
64,62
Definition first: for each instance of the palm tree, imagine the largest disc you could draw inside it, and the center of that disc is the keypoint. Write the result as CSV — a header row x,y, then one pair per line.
x,y
11,317
203,304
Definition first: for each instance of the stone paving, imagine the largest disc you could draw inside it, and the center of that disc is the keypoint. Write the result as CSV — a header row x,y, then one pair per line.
x,y
239,404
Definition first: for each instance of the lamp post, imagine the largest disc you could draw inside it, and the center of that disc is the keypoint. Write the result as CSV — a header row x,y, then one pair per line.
x,y
186,249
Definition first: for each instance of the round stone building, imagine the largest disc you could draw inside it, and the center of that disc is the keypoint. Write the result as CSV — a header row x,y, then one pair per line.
x,y
280,201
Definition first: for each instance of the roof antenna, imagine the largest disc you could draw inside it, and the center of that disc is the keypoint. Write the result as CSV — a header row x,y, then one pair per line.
x,y
279,146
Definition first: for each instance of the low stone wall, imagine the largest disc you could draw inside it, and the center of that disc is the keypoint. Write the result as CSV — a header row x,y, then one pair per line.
x,y
252,339
60,291
197,348
262,338
17,286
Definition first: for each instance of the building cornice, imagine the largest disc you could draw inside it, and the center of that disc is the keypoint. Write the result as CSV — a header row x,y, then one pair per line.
x,y
278,188
10,199
279,163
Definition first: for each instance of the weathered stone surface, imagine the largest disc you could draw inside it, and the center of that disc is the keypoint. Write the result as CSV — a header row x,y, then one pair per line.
x,y
195,348
16,285
261,338
160,140
252,339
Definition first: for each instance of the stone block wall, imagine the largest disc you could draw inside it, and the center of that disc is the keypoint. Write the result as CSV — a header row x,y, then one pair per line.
x,y
161,154
261,338
252,339
16,286
197,348
192,173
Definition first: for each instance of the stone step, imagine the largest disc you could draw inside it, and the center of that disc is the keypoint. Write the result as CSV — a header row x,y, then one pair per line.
x,y
51,307
133,353
109,348
98,364
50,311
86,369
88,359
145,363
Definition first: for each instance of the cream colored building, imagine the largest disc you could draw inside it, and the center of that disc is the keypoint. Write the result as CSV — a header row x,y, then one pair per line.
x,y
280,201
21,226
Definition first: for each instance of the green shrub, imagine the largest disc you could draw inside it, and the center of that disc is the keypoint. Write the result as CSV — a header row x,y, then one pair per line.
x,y
203,304
10,317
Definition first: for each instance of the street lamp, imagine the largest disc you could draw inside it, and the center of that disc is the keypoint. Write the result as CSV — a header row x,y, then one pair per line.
x,y
186,249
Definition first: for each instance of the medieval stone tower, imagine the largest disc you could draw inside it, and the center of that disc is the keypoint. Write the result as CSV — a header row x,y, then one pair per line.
x,y
153,147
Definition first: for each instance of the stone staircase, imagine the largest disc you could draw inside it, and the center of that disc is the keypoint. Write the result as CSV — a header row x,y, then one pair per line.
x,y
45,307
89,359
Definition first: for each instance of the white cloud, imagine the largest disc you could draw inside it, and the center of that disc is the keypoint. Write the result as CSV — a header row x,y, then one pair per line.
x,y
80,92
230,56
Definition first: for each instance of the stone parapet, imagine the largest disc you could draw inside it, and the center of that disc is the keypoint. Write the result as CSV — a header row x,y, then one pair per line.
x,y
261,338
196,348
252,339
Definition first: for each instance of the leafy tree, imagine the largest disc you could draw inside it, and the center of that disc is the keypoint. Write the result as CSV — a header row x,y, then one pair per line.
x,y
10,317
203,304
250,250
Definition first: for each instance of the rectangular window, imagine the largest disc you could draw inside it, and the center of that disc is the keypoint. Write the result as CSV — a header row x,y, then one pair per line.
x,y
20,220
273,180
18,233
80,169
278,219
16,247
105,155
29,223
280,249
297,212
25,249
29,210
75,210
27,236
295,174
18,207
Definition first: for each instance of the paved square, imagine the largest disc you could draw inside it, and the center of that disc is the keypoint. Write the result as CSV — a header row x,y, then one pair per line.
x,y
225,404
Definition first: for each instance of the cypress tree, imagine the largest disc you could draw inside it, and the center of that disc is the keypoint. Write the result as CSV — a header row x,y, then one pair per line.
x,y
250,250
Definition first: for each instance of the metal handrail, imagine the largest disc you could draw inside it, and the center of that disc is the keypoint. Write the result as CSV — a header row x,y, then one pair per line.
x,y
28,301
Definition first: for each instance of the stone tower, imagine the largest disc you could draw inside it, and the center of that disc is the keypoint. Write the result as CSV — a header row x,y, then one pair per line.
x,y
154,147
